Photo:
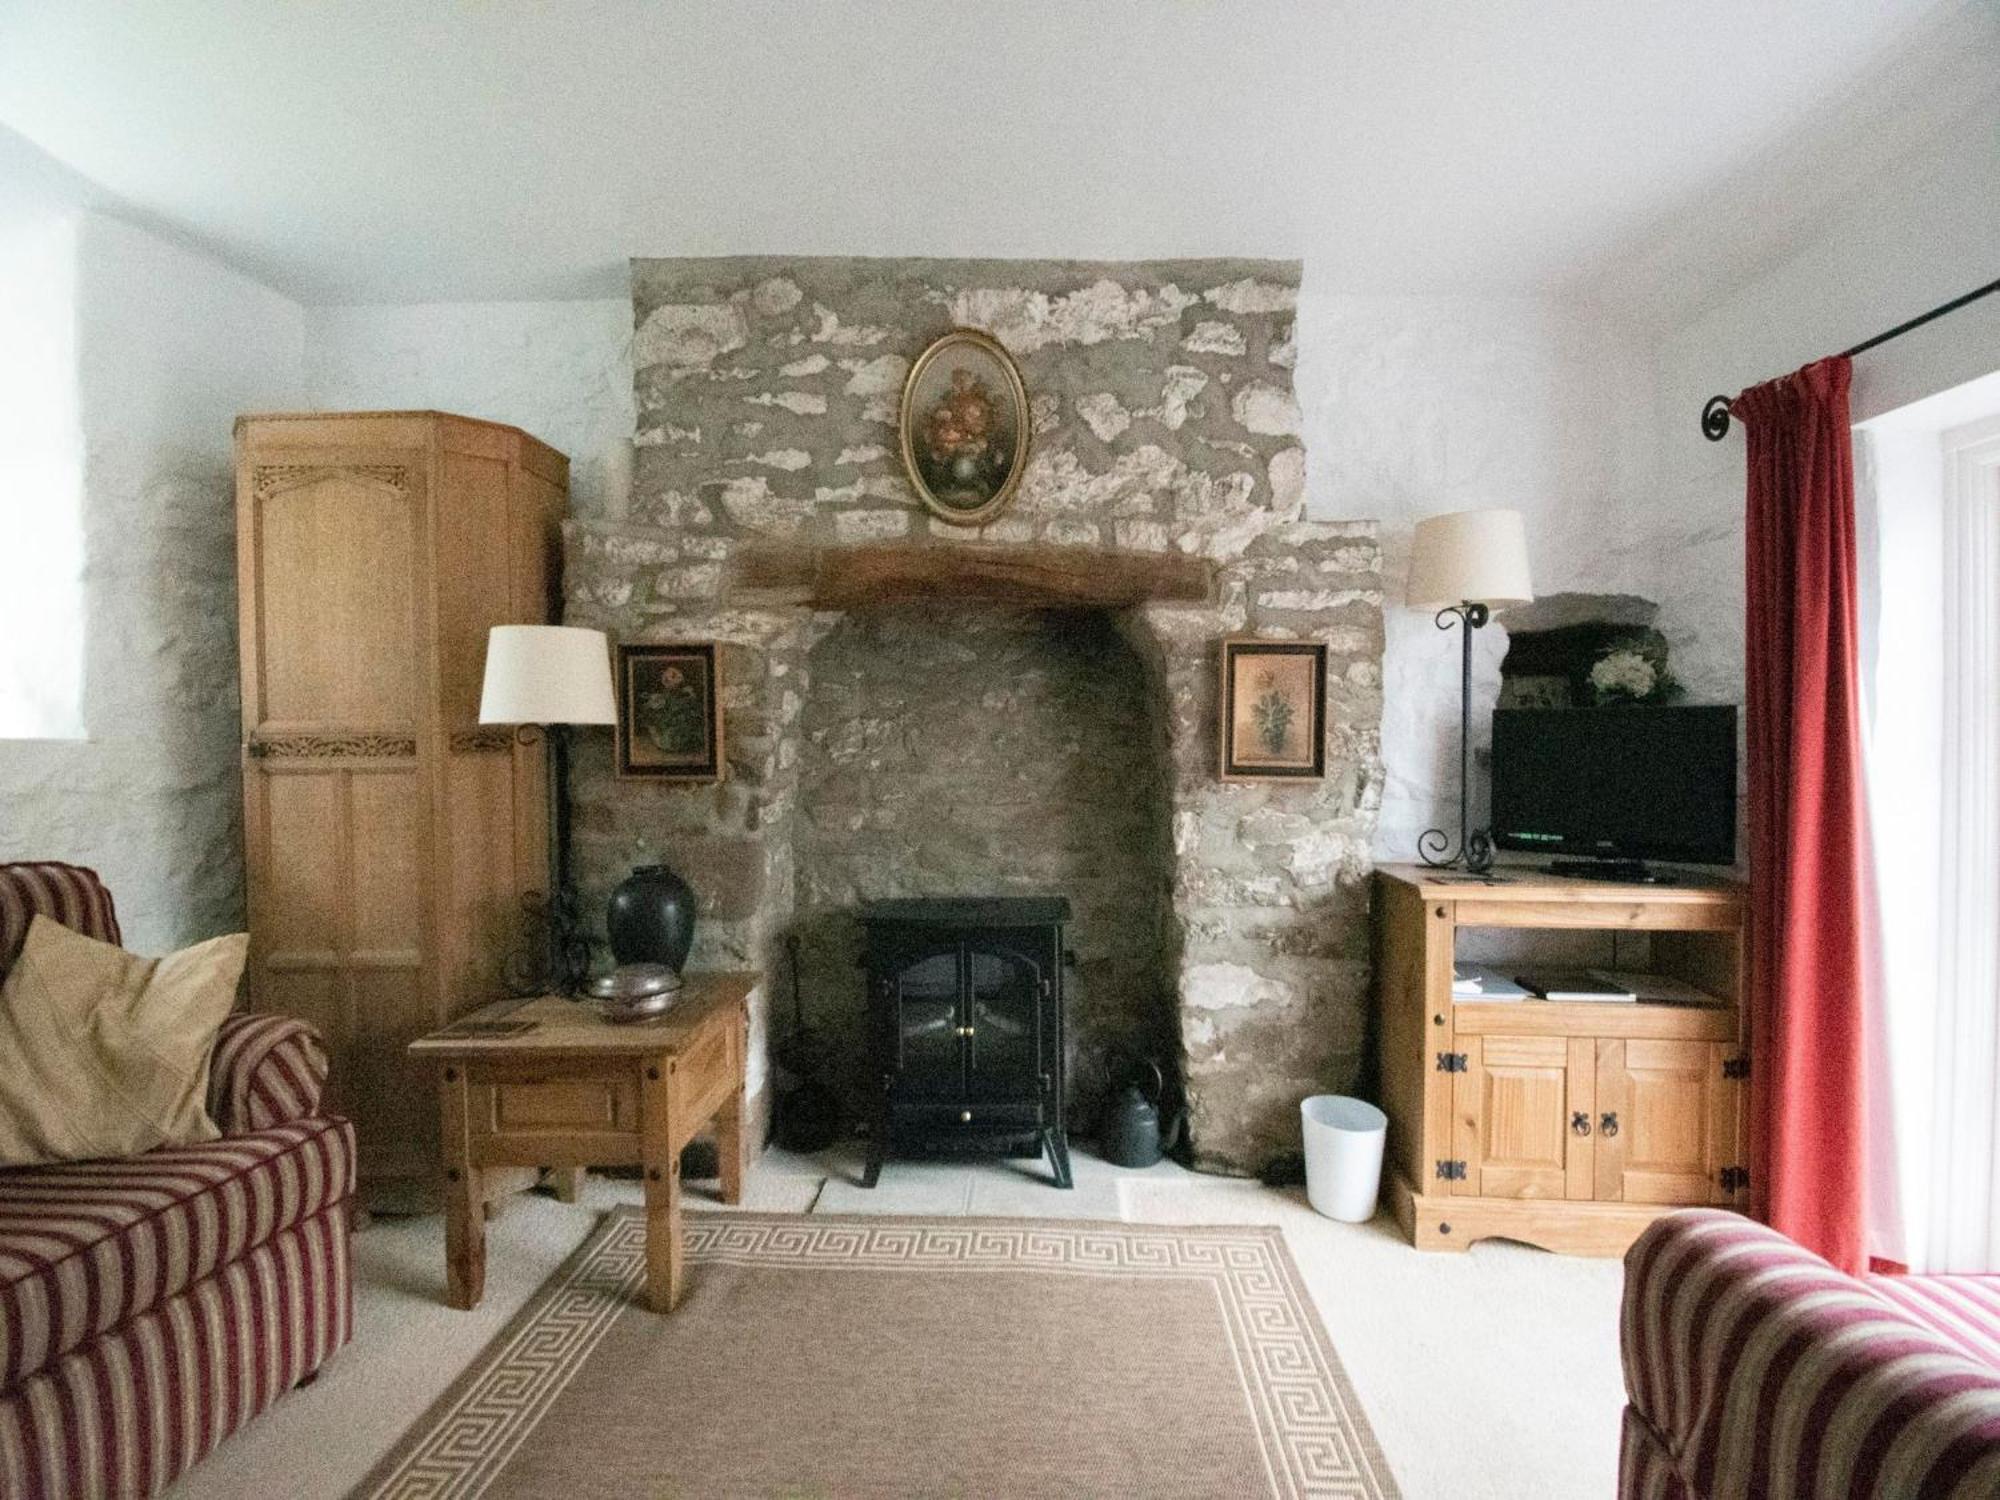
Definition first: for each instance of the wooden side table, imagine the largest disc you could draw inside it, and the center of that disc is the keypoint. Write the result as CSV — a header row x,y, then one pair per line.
x,y
549,1083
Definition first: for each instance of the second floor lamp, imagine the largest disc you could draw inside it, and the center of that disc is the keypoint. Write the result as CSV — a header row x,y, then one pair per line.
x,y
1464,565
549,677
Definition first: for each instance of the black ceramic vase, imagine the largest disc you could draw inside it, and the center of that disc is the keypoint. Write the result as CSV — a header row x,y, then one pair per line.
x,y
651,920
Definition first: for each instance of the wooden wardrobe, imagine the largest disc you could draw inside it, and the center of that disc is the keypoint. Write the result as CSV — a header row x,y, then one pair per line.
x,y
390,838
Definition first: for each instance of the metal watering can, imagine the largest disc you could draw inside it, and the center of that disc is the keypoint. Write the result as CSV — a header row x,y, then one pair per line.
x,y
1133,1133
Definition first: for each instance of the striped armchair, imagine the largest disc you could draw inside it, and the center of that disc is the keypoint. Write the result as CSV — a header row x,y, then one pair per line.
x,y
150,1307
1754,1369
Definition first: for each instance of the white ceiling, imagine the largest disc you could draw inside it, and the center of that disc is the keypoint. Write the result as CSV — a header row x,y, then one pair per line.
x,y
412,150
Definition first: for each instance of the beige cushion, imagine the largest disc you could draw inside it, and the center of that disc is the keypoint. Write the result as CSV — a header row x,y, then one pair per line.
x,y
104,1053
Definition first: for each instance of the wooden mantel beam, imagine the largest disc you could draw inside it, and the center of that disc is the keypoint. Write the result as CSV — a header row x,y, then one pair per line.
x,y
1035,577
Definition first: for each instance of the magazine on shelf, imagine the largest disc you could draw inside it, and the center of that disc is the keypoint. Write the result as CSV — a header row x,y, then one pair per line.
x,y
1658,989
1573,984
1483,982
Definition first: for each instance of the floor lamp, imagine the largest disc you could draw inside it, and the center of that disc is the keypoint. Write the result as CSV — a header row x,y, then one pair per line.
x,y
1463,565
548,677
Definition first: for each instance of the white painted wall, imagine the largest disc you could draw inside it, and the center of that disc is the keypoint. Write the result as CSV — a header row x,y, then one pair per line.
x,y
170,347
561,371
1417,405
1914,237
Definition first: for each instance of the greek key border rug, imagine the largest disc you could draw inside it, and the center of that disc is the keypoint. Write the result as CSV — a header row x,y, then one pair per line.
x,y
855,1355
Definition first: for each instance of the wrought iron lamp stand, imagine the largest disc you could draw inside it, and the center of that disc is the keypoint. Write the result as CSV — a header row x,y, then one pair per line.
x,y
1475,845
554,955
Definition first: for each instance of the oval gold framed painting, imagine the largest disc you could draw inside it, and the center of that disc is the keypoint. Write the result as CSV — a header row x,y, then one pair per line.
x,y
964,426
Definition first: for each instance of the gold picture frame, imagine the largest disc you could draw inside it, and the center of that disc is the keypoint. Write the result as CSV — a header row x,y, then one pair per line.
x,y
1272,710
669,711
964,453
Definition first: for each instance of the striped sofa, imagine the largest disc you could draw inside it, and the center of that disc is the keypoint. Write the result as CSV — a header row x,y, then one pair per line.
x,y
1754,1369
150,1307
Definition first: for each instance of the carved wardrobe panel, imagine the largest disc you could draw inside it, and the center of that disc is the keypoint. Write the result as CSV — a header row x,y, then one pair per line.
x,y
390,839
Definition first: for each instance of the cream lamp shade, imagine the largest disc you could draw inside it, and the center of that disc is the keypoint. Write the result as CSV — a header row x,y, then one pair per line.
x,y
547,674
1469,557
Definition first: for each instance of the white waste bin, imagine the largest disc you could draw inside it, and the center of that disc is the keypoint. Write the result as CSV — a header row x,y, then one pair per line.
x,y
1343,1155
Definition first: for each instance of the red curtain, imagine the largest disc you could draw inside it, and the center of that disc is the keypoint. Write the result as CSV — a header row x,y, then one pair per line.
x,y
1807,1111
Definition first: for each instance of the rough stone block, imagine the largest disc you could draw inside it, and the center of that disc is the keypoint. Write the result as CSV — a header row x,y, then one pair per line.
x,y
1211,336
870,525
1266,409
688,337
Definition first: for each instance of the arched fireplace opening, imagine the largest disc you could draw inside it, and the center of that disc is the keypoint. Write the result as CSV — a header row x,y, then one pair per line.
x,y
982,751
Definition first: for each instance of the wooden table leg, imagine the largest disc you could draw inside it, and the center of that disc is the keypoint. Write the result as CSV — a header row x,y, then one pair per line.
x,y
465,1205
565,1182
661,1164
730,1141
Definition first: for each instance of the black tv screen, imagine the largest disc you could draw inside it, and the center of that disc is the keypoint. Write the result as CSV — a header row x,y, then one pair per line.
x,y
1617,783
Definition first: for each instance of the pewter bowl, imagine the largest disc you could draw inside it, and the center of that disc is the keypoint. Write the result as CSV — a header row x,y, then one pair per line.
x,y
635,992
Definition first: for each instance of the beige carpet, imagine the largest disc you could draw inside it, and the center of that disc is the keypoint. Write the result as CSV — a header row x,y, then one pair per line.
x,y
953,1357
1487,1375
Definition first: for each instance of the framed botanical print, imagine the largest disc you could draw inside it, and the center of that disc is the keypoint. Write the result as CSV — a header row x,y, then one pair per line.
x,y
1273,709
670,711
964,427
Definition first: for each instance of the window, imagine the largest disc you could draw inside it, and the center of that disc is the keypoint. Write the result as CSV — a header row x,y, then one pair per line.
x,y
1964,1228
1930,573
41,482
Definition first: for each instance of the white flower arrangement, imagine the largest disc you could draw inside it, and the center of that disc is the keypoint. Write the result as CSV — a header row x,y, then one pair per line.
x,y
1623,674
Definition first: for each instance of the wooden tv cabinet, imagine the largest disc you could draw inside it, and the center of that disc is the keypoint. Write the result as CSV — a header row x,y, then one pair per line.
x,y
1566,1125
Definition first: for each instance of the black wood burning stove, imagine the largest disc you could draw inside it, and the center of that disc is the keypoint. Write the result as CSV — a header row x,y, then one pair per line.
x,y
966,1022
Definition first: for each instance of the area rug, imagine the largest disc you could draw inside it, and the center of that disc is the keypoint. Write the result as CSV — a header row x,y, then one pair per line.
x,y
861,1356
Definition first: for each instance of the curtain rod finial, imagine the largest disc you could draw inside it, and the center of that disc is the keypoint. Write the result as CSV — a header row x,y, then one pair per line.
x,y
1715,419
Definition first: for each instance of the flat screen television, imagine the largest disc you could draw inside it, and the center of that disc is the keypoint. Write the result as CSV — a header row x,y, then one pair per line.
x,y
1624,784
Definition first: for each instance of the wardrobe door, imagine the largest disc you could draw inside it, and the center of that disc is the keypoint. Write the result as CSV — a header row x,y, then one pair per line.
x,y
336,803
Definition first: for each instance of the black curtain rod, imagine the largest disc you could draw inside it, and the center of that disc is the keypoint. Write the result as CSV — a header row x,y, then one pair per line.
x,y
1715,414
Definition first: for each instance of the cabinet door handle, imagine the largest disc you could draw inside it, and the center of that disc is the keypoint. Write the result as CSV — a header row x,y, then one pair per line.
x,y
965,1031
1608,1122
1579,1123
965,1117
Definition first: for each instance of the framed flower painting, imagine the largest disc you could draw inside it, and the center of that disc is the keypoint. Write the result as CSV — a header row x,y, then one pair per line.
x,y
964,427
1273,709
670,712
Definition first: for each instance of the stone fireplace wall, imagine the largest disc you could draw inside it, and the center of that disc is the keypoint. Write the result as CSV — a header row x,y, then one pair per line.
x,y
1163,417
